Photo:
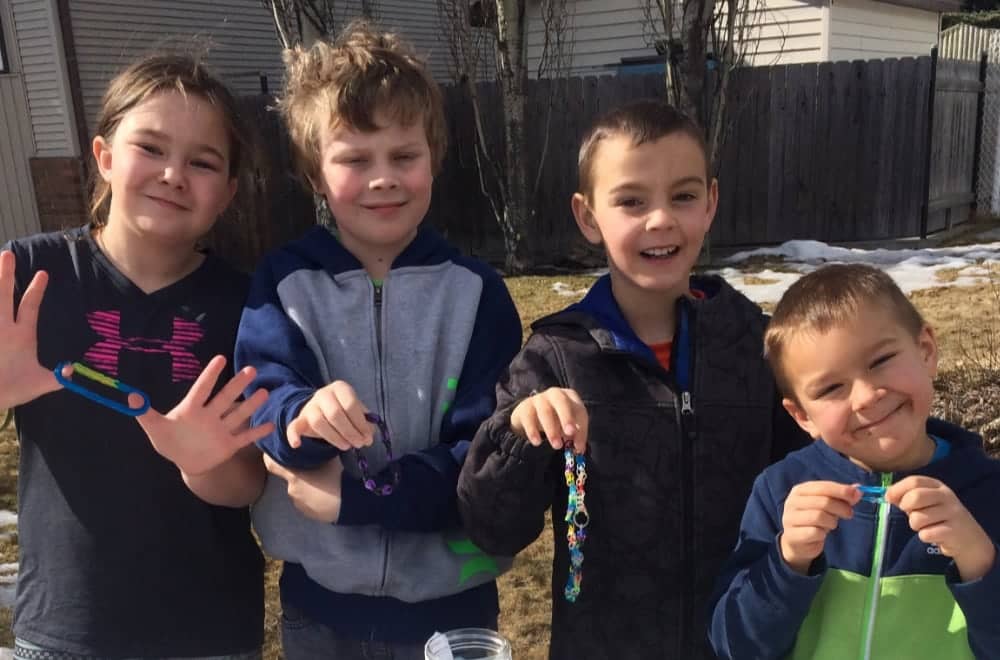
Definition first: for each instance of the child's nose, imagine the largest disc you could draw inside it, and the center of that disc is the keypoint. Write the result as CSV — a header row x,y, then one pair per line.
x,y
864,394
173,175
383,183
660,218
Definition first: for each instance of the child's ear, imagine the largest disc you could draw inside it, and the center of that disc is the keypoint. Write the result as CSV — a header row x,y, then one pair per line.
x,y
585,219
713,203
101,149
230,192
800,417
927,343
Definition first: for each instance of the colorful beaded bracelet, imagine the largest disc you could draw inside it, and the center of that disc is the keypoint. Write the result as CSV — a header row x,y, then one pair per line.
x,y
577,519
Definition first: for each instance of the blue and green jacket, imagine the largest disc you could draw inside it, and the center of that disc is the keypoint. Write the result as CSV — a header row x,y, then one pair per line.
x,y
423,348
877,591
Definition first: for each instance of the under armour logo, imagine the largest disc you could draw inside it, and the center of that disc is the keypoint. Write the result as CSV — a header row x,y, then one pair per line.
x,y
104,354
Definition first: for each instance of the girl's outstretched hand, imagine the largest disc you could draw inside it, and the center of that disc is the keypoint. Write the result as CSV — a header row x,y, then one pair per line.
x,y
199,434
22,378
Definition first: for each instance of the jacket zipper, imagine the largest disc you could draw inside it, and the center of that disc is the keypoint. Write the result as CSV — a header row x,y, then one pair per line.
x,y
875,575
377,300
686,424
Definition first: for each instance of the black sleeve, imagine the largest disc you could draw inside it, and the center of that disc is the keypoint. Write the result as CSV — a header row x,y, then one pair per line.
x,y
506,484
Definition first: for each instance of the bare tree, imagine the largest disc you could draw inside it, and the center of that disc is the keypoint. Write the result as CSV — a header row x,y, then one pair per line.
x,y
488,39
703,42
304,21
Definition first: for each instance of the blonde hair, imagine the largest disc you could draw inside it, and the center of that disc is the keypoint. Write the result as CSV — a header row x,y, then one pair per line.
x,y
349,81
829,297
167,72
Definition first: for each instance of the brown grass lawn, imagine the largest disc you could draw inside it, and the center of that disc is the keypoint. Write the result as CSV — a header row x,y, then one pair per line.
x,y
968,327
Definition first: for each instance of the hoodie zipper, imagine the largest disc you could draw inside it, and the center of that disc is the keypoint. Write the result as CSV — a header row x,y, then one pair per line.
x,y
875,575
377,300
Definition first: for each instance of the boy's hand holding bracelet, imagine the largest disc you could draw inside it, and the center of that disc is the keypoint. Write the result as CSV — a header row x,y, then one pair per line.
x,y
558,413
939,517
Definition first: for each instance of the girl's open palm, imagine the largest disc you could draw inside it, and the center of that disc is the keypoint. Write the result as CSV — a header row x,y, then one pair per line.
x,y
202,432
22,378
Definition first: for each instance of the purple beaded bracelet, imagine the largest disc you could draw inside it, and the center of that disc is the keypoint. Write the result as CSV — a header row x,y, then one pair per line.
x,y
383,489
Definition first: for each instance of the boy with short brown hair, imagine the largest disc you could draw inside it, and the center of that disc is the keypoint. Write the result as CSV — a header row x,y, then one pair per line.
x,y
641,415
824,567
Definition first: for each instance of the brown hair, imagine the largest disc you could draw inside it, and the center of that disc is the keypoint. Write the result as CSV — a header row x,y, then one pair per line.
x,y
348,82
167,72
828,297
646,120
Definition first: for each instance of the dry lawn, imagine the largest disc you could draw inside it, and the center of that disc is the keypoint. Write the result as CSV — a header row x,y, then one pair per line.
x,y
968,327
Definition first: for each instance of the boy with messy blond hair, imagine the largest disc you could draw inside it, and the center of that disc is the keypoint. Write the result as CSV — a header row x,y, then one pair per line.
x,y
641,415
880,539
375,328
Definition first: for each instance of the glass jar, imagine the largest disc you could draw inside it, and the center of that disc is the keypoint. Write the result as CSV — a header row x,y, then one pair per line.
x,y
467,644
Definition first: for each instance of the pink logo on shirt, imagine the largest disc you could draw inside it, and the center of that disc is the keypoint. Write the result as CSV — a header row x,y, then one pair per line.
x,y
104,354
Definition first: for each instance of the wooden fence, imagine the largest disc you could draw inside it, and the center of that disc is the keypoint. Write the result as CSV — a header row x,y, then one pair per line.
x,y
837,152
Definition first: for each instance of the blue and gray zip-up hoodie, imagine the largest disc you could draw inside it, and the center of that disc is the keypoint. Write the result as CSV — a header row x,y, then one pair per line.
x,y
877,591
424,349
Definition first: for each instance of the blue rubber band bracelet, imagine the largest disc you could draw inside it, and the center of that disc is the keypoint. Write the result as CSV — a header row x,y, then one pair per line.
x,y
873,494
98,377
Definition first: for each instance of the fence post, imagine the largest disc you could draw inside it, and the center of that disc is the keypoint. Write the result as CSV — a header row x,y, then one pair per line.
x,y
977,149
925,209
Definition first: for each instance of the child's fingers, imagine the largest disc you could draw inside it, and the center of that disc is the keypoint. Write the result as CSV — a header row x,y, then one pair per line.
x,y
806,538
928,517
6,288
344,431
832,505
579,438
320,426
548,419
846,492
940,534
295,430
811,518
251,435
581,421
202,389
239,415
906,493
567,409
524,422
31,301
353,425
222,403
151,421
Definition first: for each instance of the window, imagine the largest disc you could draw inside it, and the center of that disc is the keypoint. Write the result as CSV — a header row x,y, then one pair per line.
x,y
4,65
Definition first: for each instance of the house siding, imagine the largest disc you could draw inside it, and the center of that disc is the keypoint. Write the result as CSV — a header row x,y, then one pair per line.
x,y
865,30
109,34
419,24
18,213
605,31
39,43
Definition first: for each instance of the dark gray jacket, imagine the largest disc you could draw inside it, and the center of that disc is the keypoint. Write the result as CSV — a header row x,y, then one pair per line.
x,y
671,459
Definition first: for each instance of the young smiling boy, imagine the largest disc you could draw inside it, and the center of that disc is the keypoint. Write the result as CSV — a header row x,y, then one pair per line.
x,y
656,379
377,316
821,573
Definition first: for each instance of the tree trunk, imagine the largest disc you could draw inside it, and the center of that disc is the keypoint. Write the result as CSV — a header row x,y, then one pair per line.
x,y
513,76
697,17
